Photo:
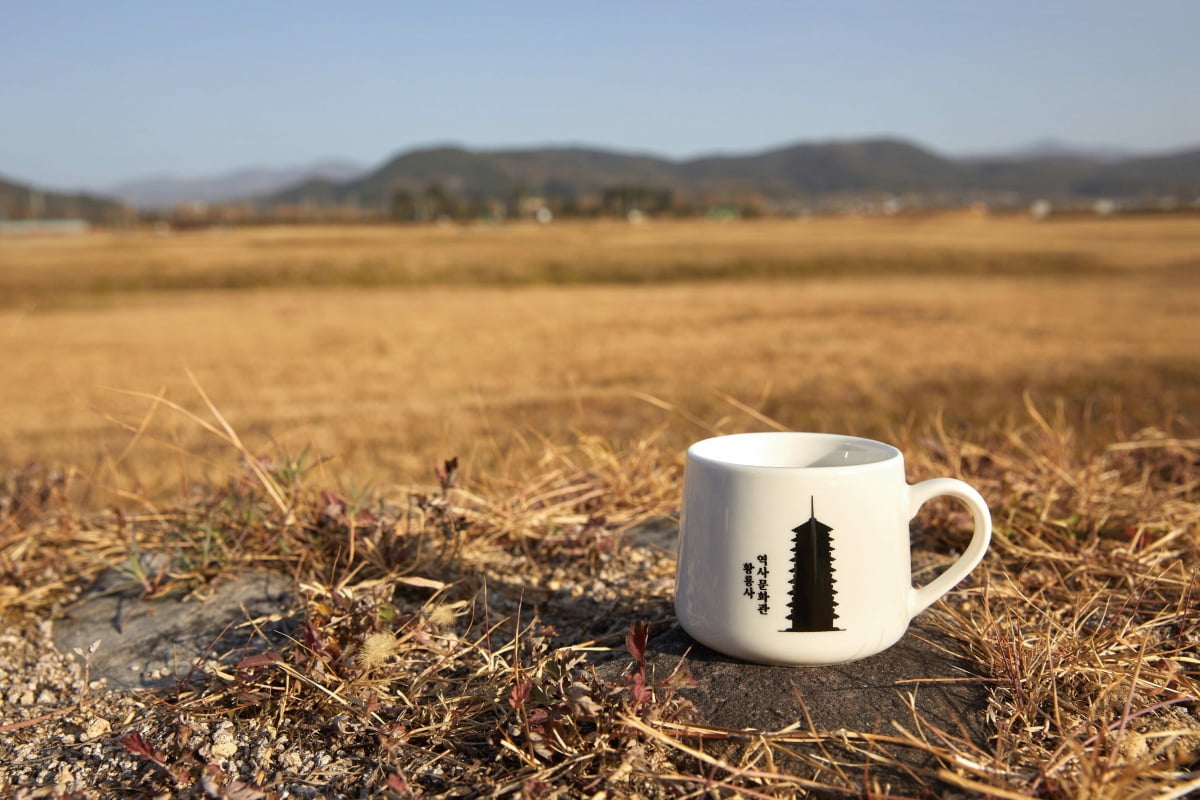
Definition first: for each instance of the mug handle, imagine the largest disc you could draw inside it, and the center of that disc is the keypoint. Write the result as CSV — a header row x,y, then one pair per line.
x,y
921,599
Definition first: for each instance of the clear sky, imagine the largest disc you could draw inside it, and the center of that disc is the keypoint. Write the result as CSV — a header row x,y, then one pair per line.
x,y
94,93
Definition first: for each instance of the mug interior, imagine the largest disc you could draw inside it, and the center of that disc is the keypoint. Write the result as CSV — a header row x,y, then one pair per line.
x,y
792,450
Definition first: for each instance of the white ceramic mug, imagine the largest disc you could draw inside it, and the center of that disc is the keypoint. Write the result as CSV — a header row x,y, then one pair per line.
x,y
794,547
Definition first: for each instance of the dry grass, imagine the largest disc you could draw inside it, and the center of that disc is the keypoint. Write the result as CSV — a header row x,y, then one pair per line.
x,y
449,636
53,270
391,379
451,620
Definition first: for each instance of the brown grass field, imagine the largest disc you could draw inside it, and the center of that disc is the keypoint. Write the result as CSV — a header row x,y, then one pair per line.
x,y
389,348
1054,365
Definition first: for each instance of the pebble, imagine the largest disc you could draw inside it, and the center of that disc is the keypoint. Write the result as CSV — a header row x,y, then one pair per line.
x,y
63,779
98,727
224,744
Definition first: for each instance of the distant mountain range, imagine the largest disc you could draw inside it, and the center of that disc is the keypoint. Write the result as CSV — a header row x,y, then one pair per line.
x,y
804,173
169,191
1049,147
796,172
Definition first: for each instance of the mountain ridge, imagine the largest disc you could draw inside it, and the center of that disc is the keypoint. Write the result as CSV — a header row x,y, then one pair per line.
x,y
798,171
789,176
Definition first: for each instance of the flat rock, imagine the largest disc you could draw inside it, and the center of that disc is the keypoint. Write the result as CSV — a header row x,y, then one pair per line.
x,y
152,643
922,676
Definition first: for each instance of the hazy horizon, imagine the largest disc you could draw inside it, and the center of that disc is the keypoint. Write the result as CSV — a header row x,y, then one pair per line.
x,y
1098,149
1109,149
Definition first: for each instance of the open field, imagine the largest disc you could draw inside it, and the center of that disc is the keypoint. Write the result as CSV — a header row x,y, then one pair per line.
x,y
1056,367
41,271
476,341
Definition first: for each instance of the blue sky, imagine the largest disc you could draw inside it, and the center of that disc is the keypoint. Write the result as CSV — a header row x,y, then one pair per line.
x,y
94,93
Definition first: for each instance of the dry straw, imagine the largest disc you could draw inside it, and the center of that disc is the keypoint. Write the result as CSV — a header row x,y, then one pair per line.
x,y
450,635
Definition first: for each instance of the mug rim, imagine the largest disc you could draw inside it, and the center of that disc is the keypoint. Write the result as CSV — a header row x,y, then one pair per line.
x,y
698,451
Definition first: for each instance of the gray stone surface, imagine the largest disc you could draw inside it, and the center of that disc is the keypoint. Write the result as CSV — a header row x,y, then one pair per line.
x,y
922,672
862,695
152,643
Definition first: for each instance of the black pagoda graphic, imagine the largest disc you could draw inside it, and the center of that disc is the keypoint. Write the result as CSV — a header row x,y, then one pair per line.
x,y
811,596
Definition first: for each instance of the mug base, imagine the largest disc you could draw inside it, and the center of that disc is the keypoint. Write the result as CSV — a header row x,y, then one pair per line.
x,y
819,649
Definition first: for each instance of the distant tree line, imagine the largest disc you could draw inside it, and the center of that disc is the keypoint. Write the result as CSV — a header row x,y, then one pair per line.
x,y
20,203
435,202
